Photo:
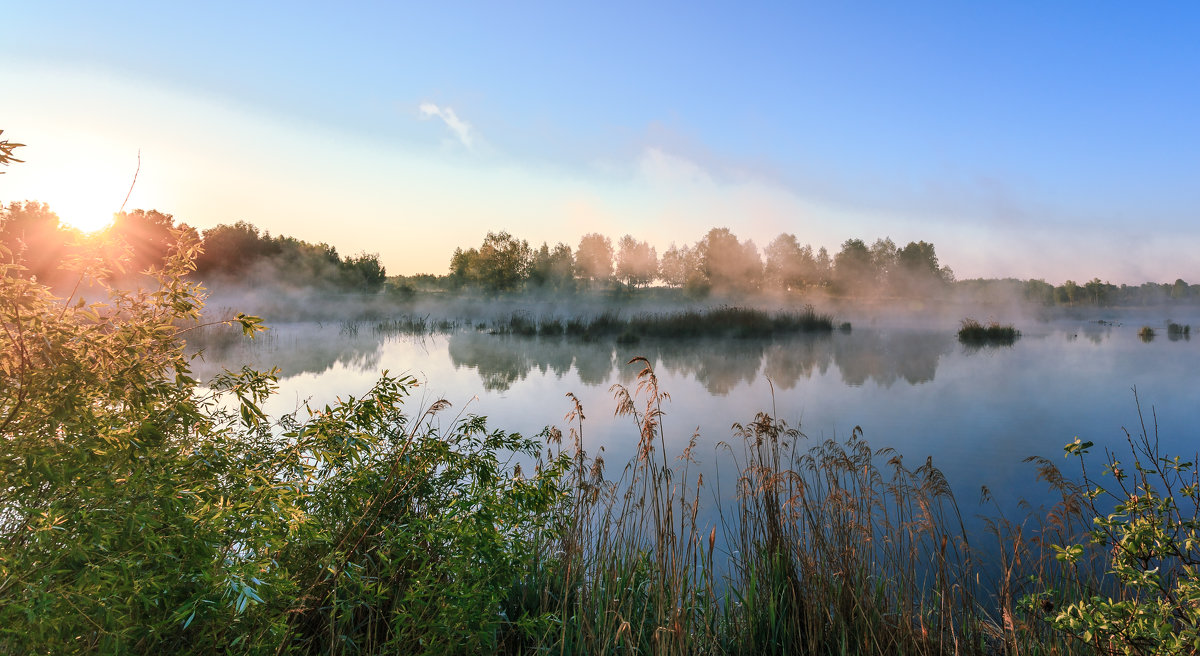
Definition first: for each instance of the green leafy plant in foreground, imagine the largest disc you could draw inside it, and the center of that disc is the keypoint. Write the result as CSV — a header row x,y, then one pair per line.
x,y
141,512
1149,601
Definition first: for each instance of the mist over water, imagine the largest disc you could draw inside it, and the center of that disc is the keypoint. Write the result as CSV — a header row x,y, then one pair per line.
x,y
978,411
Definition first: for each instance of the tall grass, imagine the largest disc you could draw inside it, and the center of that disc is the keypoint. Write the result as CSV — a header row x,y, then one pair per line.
x,y
829,548
973,333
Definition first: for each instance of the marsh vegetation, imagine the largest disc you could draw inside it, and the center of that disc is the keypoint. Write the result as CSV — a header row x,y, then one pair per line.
x,y
973,333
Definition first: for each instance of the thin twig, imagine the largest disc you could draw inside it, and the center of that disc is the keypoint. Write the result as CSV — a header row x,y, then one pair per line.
x,y
131,184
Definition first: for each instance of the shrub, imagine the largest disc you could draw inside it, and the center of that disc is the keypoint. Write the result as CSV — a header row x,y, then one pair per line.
x,y
1145,522
142,513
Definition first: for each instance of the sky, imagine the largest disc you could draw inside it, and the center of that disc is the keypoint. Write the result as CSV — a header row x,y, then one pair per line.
x,y
1024,139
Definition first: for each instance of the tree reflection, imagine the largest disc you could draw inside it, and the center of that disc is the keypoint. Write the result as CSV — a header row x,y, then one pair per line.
x,y
719,365
884,358
786,363
294,348
503,360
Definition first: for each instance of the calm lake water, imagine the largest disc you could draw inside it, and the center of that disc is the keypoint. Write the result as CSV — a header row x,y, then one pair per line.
x,y
977,411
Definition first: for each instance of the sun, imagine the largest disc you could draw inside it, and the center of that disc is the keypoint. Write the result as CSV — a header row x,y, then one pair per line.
x,y
86,209
85,220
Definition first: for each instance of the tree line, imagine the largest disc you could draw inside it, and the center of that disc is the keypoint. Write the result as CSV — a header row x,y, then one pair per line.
x,y
236,253
719,262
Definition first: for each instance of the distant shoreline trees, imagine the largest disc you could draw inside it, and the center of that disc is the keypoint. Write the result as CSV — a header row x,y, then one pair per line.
x,y
719,263
235,254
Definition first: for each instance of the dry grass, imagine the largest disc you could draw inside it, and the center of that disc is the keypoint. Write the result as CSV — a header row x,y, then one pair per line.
x,y
830,548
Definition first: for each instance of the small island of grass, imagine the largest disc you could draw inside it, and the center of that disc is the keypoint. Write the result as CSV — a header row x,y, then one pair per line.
x,y
973,333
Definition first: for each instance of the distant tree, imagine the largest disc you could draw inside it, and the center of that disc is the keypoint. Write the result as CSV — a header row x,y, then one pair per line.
x,y
364,271
33,232
727,263
678,265
918,257
789,265
240,254
918,271
824,266
463,265
1039,291
149,235
1180,290
884,257
1067,293
637,262
853,268
1096,292
553,268
231,249
503,262
594,257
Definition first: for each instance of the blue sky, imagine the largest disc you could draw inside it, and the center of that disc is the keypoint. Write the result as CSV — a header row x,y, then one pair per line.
x,y
1022,139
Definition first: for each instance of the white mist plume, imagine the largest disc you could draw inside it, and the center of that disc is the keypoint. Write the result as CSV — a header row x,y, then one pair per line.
x,y
459,127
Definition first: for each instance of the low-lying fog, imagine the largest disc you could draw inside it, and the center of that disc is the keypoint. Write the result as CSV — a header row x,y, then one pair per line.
x,y
899,372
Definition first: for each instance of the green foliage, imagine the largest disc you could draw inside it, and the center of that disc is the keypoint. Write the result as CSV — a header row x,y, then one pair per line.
x,y
1145,522
594,257
500,264
240,253
143,513
553,268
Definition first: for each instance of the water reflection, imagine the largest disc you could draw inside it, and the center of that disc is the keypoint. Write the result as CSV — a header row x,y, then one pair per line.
x,y
295,348
503,360
880,357
719,365
885,358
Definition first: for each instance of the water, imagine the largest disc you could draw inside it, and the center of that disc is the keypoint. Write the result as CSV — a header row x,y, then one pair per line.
x,y
978,412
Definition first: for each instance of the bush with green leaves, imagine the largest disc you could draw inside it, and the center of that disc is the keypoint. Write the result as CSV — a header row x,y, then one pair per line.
x,y
1146,531
141,511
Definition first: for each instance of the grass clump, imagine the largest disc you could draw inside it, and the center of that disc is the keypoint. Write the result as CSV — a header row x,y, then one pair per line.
x,y
1176,332
1146,334
973,333
721,322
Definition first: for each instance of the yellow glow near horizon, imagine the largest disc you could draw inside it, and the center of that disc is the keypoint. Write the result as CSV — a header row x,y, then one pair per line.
x,y
83,218
83,196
